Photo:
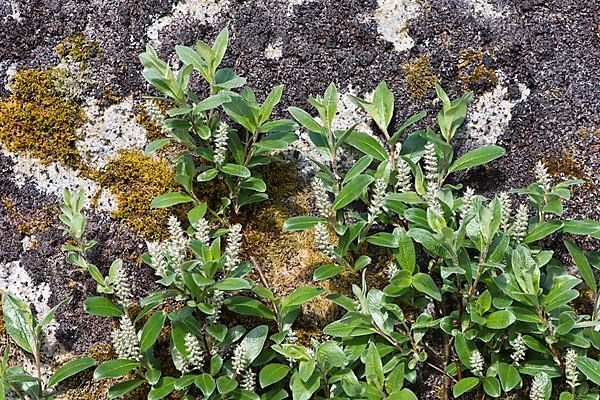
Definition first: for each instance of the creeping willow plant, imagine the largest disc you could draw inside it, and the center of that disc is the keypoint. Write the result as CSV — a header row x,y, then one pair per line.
x,y
211,149
471,293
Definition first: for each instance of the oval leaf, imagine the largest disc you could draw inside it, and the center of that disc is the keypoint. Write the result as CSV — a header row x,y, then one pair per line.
x,y
476,157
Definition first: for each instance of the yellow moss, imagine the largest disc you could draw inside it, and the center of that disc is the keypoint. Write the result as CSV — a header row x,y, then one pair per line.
x,y
136,179
473,72
36,120
587,133
419,78
568,167
78,48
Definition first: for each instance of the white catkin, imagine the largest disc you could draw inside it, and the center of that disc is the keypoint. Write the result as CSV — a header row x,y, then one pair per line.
x,y
477,363
321,198
122,287
239,360
468,198
377,200
249,381
404,177
159,263
571,368
322,239
519,349
542,177
537,387
232,250
177,245
392,270
154,112
195,358
430,166
216,301
125,340
506,210
519,228
202,231
220,143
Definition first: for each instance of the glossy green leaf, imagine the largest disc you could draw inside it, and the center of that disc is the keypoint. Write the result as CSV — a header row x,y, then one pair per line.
x,y
170,199
102,307
465,385
479,156
351,191
114,369
582,264
121,389
327,271
18,322
367,144
69,369
272,373
301,223
589,367
151,330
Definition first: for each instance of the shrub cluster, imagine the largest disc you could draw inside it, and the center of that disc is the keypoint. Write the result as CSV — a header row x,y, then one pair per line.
x,y
471,296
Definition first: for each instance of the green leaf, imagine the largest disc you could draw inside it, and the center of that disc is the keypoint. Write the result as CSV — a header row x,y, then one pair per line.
x,y
247,306
102,307
151,330
205,383
406,255
465,385
425,284
18,322
358,167
211,102
374,367
165,386
229,284
509,376
327,271
123,388
155,145
272,373
253,342
303,390
225,384
301,223
384,239
114,369
491,386
69,369
500,319
351,191
306,120
540,231
207,175
170,199
582,264
383,101
367,144
479,156
235,170
589,367
300,296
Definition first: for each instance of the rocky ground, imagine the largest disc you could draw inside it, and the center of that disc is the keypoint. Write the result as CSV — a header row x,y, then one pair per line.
x,y
533,66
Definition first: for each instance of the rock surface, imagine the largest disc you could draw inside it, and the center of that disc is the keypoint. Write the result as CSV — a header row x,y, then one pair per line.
x,y
532,64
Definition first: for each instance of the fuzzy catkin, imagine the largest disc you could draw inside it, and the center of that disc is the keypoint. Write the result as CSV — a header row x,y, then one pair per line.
x,y
239,359
468,199
249,381
537,387
125,340
477,363
571,368
177,245
542,177
321,198
519,228
519,349
220,143
202,231
403,178
322,239
195,358
122,287
232,250
377,200
505,209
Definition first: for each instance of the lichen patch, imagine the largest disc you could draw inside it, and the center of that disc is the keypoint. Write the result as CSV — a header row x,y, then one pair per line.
x,y
392,17
489,117
204,11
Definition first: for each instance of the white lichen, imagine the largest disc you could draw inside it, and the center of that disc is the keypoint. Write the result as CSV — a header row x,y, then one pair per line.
x,y
392,18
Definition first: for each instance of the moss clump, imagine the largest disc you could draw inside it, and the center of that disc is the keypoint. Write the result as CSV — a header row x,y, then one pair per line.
x,y
78,48
474,72
565,166
136,179
419,78
587,133
36,120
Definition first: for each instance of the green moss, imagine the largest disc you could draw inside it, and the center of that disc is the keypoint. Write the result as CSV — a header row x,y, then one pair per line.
x,y
135,179
78,48
473,72
419,78
36,120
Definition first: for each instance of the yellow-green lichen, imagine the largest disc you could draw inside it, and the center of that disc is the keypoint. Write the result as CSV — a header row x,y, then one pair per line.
x,y
473,72
78,48
567,167
135,179
38,121
419,78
